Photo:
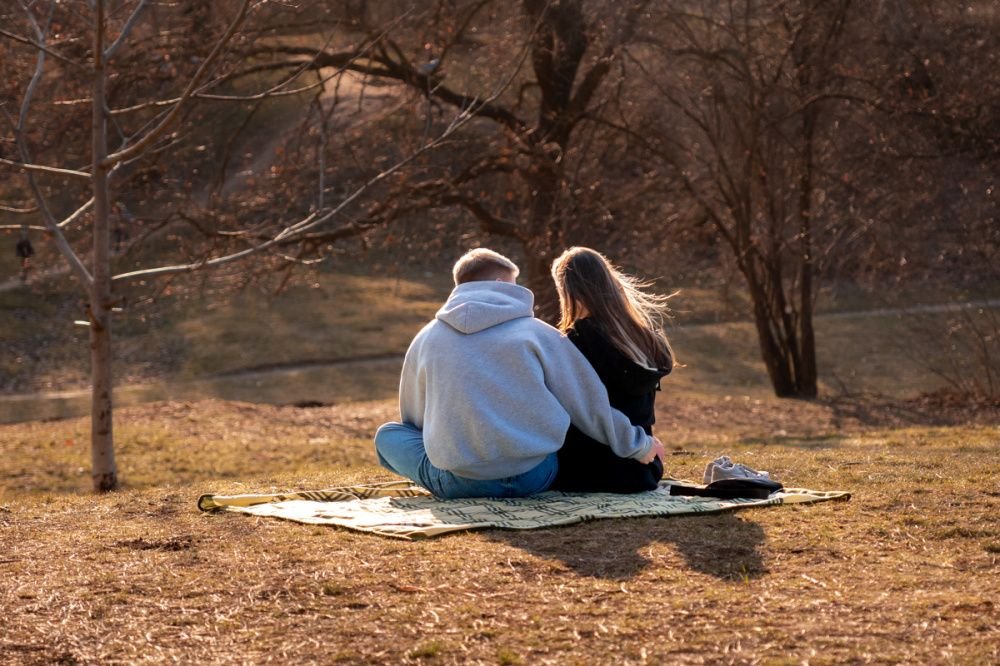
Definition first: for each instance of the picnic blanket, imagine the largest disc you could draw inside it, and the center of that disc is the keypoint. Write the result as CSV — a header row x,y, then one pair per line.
x,y
401,509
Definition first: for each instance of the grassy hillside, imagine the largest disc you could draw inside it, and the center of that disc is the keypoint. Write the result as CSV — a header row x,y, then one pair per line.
x,y
340,336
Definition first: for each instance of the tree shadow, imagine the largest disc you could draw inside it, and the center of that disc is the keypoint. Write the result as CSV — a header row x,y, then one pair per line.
x,y
936,409
724,545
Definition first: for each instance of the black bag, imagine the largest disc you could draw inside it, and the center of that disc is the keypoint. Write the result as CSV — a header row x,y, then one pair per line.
x,y
731,489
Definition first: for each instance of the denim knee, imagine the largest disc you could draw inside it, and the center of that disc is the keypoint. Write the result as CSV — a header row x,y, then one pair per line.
x,y
400,448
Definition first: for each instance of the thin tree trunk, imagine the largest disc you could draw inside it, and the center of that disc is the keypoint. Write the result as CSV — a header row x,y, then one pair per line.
x,y
807,374
542,242
102,451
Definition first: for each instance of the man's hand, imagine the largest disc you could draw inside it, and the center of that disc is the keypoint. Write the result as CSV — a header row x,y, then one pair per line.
x,y
656,452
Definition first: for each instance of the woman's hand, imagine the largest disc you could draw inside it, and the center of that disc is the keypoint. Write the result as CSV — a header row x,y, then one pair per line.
x,y
657,451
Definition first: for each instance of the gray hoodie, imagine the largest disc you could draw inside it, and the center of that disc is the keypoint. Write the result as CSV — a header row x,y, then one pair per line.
x,y
494,389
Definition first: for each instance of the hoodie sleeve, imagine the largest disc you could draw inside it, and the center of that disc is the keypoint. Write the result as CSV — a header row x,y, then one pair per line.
x,y
574,382
412,397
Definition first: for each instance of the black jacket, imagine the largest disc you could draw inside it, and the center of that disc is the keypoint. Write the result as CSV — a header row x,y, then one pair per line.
x,y
631,387
586,465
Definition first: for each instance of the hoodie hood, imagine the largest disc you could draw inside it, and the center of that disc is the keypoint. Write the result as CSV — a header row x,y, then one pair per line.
x,y
476,306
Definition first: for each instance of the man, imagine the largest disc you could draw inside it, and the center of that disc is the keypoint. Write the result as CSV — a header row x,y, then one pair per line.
x,y
488,392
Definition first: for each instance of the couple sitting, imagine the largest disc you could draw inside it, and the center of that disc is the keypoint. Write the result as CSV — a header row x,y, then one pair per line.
x,y
496,403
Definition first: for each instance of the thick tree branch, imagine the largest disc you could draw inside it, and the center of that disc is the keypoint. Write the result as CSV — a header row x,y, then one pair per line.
x,y
384,67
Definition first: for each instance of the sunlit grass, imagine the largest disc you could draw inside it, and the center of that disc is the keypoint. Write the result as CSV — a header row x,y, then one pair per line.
x,y
136,572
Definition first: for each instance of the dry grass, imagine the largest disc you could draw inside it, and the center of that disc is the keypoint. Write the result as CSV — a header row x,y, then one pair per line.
x,y
906,572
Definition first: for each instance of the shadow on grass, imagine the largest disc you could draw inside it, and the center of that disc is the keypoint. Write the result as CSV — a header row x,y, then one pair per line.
x,y
724,545
936,409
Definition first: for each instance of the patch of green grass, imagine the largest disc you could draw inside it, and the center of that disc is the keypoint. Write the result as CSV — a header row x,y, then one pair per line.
x,y
507,657
428,650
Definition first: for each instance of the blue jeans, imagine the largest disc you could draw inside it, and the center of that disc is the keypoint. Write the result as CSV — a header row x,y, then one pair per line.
x,y
400,449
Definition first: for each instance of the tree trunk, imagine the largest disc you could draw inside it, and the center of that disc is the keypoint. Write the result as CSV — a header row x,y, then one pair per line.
x,y
807,374
544,240
102,448
538,278
773,349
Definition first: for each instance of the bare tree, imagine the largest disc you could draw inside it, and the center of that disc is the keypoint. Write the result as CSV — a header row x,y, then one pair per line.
x,y
750,90
153,134
515,185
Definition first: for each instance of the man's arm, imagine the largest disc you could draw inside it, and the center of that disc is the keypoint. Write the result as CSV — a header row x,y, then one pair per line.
x,y
575,384
412,398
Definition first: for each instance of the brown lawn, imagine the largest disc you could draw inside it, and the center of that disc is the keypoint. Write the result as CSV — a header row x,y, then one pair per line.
x,y
908,571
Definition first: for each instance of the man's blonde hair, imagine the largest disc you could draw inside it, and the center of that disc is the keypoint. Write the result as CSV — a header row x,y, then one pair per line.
x,y
483,264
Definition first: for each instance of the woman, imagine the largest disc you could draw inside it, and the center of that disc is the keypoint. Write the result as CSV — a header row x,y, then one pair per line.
x,y
615,323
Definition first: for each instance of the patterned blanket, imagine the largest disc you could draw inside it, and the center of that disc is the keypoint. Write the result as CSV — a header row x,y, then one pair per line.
x,y
401,509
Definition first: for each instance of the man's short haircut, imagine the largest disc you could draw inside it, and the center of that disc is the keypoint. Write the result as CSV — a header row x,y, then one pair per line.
x,y
483,264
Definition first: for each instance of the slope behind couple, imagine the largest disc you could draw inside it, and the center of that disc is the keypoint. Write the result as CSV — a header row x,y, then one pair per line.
x,y
496,403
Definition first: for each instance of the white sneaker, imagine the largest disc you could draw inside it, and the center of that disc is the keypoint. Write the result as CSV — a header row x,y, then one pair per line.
x,y
724,468
720,462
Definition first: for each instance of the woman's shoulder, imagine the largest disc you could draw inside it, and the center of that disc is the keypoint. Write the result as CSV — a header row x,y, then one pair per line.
x,y
609,360
590,339
586,333
585,328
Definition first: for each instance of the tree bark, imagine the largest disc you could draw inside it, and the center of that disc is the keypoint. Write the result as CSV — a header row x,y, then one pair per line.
x,y
102,451
773,347
544,239
807,373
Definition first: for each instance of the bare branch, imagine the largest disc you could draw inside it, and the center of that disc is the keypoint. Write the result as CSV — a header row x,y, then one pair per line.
x,y
110,52
15,227
50,222
299,66
75,264
77,214
41,168
29,93
41,47
298,230
18,211
292,231
384,67
156,132
490,223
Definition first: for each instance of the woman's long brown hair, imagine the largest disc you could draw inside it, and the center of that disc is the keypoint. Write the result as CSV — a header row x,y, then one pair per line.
x,y
620,305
